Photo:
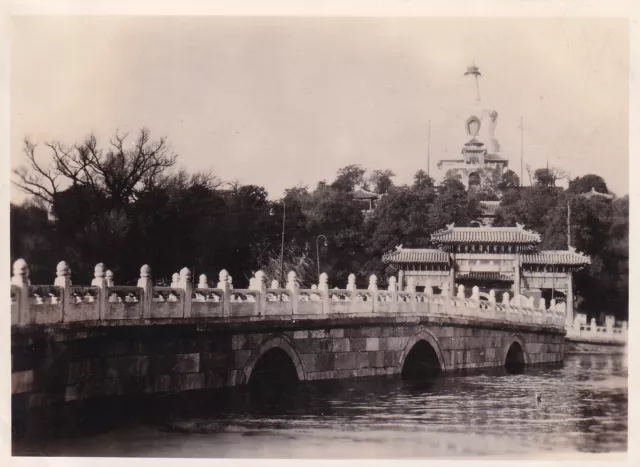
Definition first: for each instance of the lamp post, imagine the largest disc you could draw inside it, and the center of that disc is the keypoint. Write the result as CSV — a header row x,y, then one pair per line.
x,y
284,216
318,250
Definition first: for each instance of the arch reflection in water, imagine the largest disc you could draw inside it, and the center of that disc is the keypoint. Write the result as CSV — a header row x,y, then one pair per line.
x,y
515,361
422,363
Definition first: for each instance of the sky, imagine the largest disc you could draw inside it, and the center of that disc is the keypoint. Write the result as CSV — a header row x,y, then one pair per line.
x,y
281,102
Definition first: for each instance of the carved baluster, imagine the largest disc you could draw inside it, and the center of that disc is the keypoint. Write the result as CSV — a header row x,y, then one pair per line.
x,y
294,288
323,288
63,280
373,288
185,284
99,280
223,284
393,289
261,286
147,290
109,277
20,279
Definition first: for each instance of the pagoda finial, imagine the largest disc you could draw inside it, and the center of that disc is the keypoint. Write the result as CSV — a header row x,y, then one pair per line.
x,y
474,71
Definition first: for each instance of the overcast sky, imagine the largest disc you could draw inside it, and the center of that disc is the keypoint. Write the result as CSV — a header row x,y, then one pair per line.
x,y
282,102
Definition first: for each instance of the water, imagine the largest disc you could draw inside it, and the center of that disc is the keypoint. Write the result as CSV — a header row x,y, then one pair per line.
x,y
583,408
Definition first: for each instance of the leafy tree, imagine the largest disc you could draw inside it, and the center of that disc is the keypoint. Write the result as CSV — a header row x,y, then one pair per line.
x,y
547,177
422,181
381,180
585,183
349,177
508,181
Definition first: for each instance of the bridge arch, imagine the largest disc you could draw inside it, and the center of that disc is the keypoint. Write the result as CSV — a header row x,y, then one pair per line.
x,y
273,344
515,354
425,342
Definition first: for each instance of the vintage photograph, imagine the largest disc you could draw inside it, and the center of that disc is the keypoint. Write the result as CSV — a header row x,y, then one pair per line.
x,y
319,237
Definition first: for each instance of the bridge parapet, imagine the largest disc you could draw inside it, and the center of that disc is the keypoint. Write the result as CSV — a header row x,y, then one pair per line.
x,y
104,301
612,332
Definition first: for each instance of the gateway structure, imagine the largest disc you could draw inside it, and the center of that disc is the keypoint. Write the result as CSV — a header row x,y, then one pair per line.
x,y
503,259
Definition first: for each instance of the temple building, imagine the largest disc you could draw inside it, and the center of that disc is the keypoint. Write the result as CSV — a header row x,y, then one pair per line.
x,y
503,259
480,155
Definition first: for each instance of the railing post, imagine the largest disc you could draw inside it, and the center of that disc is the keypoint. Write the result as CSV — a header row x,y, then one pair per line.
x,y
20,279
294,288
542,306
393,289
100,281
109,278
261,287
373,288
63,280
147,290
411,289
275,284
505,303
492,302
202,282
224,285
323,288
351,287
184,283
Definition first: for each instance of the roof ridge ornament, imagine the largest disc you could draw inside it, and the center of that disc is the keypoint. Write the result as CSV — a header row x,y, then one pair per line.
x,y
451,226
519,226
399,247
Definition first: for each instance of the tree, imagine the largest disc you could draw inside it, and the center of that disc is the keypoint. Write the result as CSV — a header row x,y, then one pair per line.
x,y
453,204
508,180
349,177
381,180
422,181
120,173
299,259
586,183
549,176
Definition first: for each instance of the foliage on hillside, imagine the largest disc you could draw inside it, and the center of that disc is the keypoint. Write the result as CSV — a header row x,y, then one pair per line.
x,y
128,207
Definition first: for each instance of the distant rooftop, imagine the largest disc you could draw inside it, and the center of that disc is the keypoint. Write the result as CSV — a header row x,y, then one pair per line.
x,y
415,255
492,235
364,194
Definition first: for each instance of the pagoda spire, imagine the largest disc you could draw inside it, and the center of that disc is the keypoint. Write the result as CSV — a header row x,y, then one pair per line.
x,y
474,71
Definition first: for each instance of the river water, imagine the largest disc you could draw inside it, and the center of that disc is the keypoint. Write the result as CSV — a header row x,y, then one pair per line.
x,y
583,408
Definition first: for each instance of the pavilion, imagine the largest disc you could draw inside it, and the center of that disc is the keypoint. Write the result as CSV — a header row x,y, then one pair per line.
x,y
503,259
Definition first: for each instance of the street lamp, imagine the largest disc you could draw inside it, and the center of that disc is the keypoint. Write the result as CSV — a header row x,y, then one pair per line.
x,y
284,216
318,250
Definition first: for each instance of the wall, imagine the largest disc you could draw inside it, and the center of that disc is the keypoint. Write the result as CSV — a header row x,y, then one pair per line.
x,y
80,361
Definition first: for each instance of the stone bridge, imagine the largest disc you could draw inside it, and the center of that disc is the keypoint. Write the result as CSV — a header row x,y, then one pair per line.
x,y
72,343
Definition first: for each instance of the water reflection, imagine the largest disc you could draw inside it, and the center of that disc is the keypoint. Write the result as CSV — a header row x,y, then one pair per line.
x,y
583,407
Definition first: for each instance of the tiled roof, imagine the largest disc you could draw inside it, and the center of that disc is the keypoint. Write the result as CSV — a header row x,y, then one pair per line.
x,y
486,276
415,255
560,257
492,157
364,194
505,235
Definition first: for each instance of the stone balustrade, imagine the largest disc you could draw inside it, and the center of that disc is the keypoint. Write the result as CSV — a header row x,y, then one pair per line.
x,y
611,332
103,301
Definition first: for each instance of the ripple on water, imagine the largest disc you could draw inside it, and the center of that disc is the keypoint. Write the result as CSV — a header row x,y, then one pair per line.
x,y
583,408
